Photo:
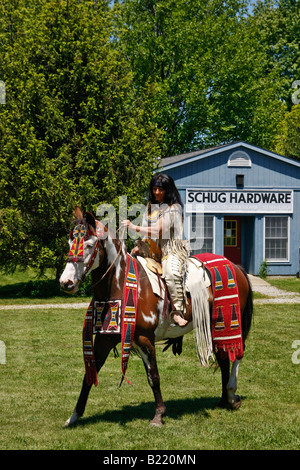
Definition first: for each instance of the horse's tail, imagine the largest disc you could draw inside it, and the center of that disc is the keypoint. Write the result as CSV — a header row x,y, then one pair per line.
x,y
247,313
201,322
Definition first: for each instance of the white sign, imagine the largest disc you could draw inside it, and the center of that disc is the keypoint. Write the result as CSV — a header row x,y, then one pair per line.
x,y
256,201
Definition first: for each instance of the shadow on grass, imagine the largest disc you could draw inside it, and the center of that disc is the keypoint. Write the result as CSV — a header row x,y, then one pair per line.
x,y
38,289
145,410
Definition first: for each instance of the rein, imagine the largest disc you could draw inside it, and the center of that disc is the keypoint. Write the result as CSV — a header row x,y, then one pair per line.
x,y
93,257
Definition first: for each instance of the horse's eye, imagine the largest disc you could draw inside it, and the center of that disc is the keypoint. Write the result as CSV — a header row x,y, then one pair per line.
x,y
71,235
87,235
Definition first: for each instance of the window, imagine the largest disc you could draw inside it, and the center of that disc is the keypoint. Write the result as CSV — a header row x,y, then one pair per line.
x,y
201,233
239,158
230,233
276,238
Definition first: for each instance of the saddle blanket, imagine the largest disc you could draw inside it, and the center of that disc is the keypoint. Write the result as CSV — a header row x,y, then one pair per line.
x,y
226,315
112,317
107,317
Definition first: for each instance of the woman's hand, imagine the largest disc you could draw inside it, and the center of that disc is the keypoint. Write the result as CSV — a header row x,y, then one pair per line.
x,y
128,224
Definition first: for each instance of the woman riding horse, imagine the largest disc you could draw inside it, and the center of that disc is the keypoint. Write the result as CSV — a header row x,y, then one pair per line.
x,y
163,222
93,250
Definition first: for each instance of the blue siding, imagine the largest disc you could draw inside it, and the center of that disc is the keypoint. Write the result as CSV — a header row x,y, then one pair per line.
x,y
269,172
266,172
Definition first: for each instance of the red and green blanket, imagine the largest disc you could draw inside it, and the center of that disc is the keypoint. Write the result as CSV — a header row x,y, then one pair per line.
x,y
226,315
117,316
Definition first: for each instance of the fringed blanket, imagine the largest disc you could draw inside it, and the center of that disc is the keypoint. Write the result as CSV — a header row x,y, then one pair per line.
x,y
112,317
129,310
226,317
88,347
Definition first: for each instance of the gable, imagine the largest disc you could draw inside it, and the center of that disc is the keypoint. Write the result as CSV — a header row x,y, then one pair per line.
x,y
183,159
220,166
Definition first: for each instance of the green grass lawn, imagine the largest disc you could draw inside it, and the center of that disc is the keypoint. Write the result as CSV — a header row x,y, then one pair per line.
x,y
23,287
290,284
41,381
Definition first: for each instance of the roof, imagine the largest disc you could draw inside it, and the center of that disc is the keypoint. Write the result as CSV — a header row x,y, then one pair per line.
x,y
185,158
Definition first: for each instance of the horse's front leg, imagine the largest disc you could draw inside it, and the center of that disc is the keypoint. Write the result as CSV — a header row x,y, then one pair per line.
x,y
146,348
102,347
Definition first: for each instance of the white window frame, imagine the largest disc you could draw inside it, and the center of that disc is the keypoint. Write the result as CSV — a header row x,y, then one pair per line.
x,y
278,260
189,220
243,161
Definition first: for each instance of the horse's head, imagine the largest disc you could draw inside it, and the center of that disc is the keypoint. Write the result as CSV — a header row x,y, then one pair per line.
x,y
86,251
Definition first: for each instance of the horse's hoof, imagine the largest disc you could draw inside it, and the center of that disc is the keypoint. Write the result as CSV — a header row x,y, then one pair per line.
x,y
72,420
232,405
237,403
158,422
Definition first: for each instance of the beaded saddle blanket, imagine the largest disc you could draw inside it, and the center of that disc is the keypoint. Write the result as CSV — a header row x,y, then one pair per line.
x,y
226,316
112,317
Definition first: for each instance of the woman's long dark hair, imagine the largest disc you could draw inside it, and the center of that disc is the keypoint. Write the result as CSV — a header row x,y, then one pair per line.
x,y
172,195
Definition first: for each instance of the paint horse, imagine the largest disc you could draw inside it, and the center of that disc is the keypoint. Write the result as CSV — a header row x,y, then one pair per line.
x,y
105,258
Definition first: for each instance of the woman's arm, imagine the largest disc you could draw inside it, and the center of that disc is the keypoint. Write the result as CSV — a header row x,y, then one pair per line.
x,y
152,232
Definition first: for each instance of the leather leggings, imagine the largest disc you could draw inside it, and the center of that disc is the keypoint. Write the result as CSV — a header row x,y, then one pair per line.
x,y
172,273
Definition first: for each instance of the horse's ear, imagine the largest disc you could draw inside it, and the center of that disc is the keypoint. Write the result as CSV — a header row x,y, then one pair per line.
x,y
91,220
78,213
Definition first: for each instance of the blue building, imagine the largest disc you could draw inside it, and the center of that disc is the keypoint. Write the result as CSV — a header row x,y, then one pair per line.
x,y
243,202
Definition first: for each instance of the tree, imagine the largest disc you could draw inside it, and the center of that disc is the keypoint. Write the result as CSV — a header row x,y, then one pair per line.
x,y
72,130
287,141
278,28
278,24
210,69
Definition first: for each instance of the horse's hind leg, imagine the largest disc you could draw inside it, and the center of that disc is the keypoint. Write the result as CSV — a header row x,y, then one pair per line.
x,y
229,383
224,366
234,401
147,351
102,347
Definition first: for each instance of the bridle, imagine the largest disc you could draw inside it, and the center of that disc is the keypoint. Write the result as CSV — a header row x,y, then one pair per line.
x,y
80,233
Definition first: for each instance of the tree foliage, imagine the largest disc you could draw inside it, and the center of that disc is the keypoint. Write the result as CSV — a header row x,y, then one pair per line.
x,y
278,25
279,30
72,130
208,59
287,141
98,91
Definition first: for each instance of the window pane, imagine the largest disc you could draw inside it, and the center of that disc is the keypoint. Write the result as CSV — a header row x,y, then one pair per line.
x,y
276,238
230,233
201,232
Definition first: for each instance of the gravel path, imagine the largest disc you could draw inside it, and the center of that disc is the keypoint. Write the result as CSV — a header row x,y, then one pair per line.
x,y
70,306
275,296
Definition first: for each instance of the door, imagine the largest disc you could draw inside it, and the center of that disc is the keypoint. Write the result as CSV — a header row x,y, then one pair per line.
x,y
232,238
